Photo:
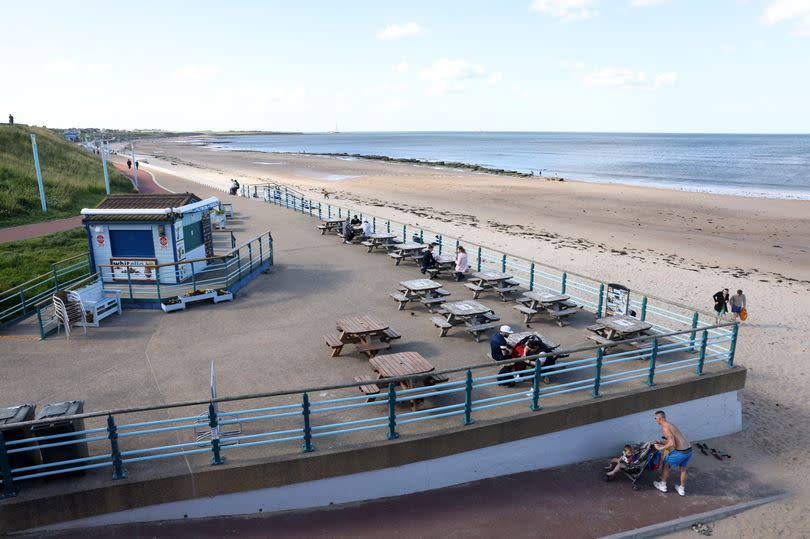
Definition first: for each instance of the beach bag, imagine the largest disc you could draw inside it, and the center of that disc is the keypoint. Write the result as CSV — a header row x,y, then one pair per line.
x,y
743,314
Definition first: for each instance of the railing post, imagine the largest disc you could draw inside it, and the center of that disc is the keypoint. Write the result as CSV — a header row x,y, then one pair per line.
x,y
157,282
597,376
733,346
308,448
392,412
468,385
536,385
193,277
328,211
250,258
404,232
55,278
39,320
239,264
112,433
479,258
564,283
440,244
261,251
388,226
643,308
374,224
694,333
129,282
22,300
9,489
653,358
213,422
421,236
319,210
270,248
531,277
340,213
456,246
702,358
601,299
503,263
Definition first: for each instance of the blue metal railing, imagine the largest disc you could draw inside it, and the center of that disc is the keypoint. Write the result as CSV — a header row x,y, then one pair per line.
x,y
300,422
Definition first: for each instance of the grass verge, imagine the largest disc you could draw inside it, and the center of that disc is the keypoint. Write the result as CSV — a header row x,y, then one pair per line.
x,y
23,260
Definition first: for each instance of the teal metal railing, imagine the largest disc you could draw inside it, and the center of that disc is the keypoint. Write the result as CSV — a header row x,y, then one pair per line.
x,y
19,302
120,440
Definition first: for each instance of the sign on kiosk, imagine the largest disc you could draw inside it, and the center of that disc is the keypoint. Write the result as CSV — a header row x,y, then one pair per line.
x,y
133,269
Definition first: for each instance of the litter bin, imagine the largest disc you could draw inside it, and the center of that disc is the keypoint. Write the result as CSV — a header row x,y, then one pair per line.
x,y
56,425
18,414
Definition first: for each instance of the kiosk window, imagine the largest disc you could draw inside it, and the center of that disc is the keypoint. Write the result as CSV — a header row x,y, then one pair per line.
x,y
132,244
193,236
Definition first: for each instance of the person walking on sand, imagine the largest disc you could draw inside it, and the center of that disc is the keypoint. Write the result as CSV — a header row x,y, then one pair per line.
x,y
720,304
680,452
737,303
325,194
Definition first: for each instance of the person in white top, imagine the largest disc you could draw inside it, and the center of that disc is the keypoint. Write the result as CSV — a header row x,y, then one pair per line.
x,y
462,265
367,228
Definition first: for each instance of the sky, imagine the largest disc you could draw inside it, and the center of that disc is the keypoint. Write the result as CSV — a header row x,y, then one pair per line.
x,y
721,66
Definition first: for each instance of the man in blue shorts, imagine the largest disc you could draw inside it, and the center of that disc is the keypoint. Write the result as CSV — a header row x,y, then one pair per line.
x,y
680,451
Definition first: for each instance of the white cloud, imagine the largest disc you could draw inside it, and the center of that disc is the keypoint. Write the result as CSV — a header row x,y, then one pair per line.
x,y
627,78
452,75
568,65
567,10
398,31
196,72
645,3
519,90
495,78
61,67
401,67
98,68
386,89
797,11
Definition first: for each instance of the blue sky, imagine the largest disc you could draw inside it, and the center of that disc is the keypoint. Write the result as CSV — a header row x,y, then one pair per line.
x,y
528,65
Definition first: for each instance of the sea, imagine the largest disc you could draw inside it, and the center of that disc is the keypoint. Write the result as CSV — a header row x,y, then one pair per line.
x,y
774,166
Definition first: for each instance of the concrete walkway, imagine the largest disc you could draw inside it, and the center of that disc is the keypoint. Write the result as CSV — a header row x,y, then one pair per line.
x,y
570,502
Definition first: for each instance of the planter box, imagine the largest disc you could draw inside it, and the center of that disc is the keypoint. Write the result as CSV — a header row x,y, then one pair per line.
x,y
167,308
223,297
198,297
218,220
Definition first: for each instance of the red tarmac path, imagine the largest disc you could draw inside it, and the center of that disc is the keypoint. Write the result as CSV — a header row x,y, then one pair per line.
x,y
147,184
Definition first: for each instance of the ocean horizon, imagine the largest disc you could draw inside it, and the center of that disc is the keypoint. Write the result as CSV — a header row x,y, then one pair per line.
x,y
758,165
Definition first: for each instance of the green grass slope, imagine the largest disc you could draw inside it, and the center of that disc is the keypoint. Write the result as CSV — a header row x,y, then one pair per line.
x,y
73,178
23,260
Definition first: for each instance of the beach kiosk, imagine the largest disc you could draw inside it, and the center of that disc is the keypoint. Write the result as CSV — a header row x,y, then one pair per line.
x,y
133,232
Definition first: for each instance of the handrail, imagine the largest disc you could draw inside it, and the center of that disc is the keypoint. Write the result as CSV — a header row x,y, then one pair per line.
x,y
317,389
44,275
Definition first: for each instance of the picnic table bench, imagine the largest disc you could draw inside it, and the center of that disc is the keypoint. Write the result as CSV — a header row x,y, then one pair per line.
x,y
501,282
422,290
330,224
444,263
558,306
406,364
369,334
611,329
379,239
405,250
475,317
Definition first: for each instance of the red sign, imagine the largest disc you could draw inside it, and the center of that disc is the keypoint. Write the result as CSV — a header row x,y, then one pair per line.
x,y
100,240
163,241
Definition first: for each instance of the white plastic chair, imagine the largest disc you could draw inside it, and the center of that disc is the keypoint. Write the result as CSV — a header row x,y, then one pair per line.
x,y
68,314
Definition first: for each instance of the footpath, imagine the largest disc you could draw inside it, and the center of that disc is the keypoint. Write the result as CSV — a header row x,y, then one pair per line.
x,y
147,184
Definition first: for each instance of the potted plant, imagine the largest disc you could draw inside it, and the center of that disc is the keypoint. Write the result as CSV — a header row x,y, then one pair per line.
x,y
172,304
223,294
218,219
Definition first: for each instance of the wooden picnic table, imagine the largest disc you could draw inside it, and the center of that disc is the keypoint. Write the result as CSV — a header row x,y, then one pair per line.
x,y
379,239
476,317
406,250
423,290
489,279
515,338
329,224
368,333
618,328
443,263
405,364
556,305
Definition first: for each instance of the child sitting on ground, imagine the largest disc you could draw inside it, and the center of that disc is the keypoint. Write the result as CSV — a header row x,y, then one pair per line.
x,y
620,463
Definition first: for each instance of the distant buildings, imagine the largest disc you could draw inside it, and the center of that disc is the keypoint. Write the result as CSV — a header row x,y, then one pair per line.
x,y
73,135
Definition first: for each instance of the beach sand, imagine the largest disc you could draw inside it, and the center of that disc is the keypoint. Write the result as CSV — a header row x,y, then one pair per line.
x,y
678,245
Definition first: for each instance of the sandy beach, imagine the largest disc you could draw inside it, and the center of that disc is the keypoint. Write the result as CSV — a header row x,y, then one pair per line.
x,y
679,245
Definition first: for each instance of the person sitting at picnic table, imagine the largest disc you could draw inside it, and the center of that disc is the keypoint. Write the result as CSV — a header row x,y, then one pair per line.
x,y
428,260
462,264
367,230
356,220
348,231
532,346
500,350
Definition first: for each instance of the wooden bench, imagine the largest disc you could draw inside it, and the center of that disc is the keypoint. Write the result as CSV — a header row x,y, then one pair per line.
x,y
512,282
438,309
397,257
475,288
595,327
371,349
390,335
528,312
477,329
434,379
369,244
323,229
432,301
492,317
98,303
401,298
442,292
368,386
599,339
504,291
564,313
442,324
334,342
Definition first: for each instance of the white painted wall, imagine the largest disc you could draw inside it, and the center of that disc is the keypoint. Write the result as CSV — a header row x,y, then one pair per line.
x,y
710,417
103,253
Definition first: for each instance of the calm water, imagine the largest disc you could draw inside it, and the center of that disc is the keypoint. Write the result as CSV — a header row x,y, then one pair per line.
x,y
754,165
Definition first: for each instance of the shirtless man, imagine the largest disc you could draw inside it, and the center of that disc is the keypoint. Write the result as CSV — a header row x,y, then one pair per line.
x,y
679,455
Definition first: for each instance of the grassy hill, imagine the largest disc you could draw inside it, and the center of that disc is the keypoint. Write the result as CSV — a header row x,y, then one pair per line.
x,y
73,178
26,259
